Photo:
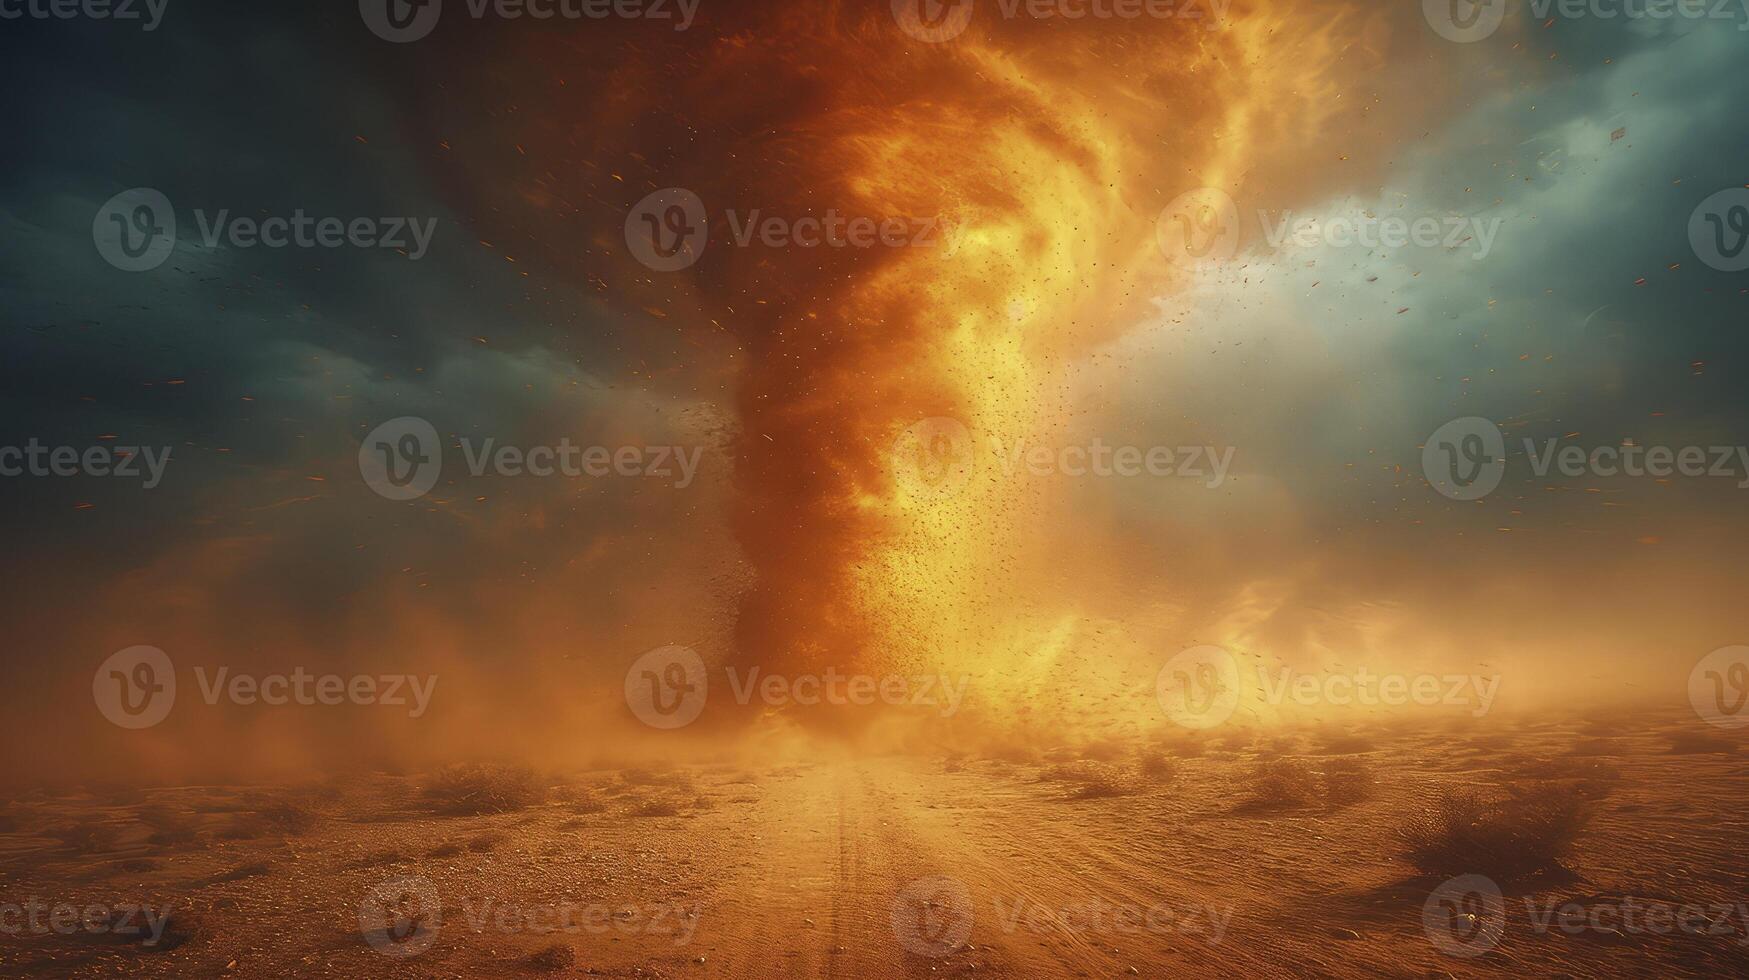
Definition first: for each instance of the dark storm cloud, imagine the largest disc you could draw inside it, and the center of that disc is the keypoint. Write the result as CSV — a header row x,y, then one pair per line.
x,y
283,357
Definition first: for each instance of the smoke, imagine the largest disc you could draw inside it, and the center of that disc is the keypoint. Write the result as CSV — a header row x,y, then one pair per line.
x,y
1027,160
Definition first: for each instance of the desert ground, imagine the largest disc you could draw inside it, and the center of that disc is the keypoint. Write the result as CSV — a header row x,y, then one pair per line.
x,y
1250,854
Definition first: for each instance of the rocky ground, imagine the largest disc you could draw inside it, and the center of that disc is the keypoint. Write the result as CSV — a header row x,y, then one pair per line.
x,y
1282,855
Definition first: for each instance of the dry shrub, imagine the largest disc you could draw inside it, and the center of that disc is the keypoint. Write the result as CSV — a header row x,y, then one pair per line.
x,y
1157,767
558,956
1346,744
1283,783
1585,776
1347,782
578,799
1273,748
1103,750
1101,787
1523,834
1237,740
271,818
126,928
470,790
254,869
1064,774
1087,781
378,859
87,836
1012,752
168,824
1700,743
1598,746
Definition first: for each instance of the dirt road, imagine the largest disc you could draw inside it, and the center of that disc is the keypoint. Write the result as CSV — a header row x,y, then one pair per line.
x,y
883,867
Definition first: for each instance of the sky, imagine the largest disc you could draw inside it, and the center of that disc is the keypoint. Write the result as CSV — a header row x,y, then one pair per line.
x,y
1561,161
